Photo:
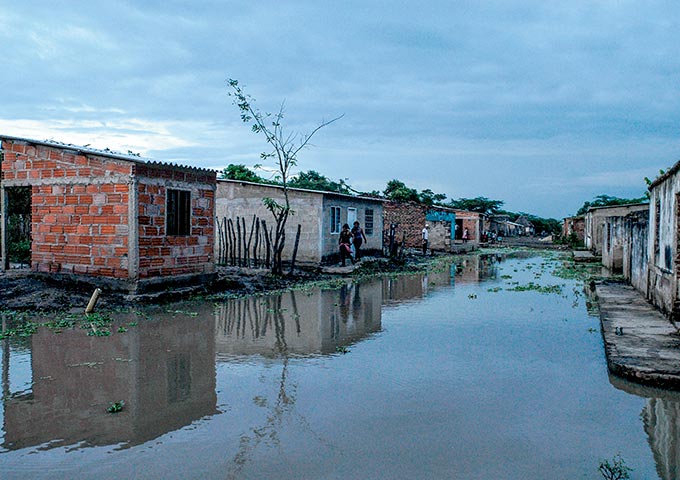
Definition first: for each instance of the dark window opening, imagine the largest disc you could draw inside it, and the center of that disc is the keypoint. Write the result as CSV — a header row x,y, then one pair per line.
x,y
368,221
178,213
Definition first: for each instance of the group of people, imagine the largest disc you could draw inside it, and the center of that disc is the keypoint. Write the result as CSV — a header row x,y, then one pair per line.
x,y
350,242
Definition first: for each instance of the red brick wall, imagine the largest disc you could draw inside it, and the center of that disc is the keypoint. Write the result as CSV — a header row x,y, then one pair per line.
x,y
411,220
77,227
161,255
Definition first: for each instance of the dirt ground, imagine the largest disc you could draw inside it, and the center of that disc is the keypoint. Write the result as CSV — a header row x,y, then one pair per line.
x,y
21,290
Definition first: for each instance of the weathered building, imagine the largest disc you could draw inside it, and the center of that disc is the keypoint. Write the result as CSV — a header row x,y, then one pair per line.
x,y
446,225
319,214
595,219
662,243
110,219
635,264
574,226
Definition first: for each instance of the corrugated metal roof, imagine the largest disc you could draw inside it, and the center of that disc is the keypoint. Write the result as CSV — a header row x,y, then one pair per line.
x,y
86,150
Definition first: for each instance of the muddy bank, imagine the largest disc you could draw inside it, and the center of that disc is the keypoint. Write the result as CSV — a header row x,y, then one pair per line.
x,y
23,291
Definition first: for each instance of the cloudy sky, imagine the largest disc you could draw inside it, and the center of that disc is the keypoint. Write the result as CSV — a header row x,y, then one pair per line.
x,y
541,104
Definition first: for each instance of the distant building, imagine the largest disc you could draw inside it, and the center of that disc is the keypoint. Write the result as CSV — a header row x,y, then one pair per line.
x,y
595,233
574,226
320,216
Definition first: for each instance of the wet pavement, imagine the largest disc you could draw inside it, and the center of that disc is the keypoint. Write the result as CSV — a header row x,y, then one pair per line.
x,y
641,344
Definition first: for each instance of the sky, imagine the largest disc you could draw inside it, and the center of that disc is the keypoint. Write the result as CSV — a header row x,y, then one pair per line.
x,y
541,104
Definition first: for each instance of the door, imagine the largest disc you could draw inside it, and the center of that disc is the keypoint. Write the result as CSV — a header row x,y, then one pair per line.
x,y
351,216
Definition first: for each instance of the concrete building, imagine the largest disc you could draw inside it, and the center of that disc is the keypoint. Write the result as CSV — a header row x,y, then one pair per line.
x,y
595,219
635,263
110,219
319,214
662,242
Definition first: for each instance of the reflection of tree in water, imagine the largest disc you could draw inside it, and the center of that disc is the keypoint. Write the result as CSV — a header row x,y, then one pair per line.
x,y
282,408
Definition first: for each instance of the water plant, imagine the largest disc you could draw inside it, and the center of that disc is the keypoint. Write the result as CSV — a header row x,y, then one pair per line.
x,y
115,407
616,470
342,349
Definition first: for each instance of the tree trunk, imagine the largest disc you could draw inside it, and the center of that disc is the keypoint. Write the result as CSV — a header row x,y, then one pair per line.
x,y
295,249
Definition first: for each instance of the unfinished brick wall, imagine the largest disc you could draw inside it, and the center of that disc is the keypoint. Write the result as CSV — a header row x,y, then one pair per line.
x,y
79,224
104,216
410,218
168,255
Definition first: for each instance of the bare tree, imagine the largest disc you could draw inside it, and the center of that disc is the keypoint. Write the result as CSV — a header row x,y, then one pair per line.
x,y
285,150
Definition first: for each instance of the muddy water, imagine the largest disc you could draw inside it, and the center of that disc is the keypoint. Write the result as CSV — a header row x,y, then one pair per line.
x,y
490,368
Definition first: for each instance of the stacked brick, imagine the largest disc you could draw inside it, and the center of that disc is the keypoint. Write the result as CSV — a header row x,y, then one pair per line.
x,y
410,220
104,215
163,255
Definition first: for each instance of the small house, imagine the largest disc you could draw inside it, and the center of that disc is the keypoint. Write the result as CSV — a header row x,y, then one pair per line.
x,y
596,232
110,219
245,225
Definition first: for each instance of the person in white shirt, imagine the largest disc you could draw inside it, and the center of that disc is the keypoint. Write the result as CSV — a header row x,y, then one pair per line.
x,y
426,236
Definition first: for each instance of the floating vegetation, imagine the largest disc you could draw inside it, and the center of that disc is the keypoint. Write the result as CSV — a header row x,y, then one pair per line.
x,y
115,407
472,295
342,349
531,286
616,470
495,289
182,312
506,277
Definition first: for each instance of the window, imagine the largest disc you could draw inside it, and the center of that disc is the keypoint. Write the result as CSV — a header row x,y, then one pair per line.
x,y
657,233
335,219
368,221
178,212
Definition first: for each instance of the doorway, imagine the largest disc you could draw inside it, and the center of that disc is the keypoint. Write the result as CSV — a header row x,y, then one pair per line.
x,y
18,227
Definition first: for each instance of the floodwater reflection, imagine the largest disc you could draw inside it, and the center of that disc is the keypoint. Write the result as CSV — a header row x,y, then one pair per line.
x,y
298,322
163,370
661,420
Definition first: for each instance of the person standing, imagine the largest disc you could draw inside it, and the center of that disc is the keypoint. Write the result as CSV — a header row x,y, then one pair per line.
x,y
466,235
426,237
345,244
358,238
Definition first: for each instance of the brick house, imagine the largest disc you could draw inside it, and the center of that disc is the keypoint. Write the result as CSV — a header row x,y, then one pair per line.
x,y
110,219
319,214
446,224
574,225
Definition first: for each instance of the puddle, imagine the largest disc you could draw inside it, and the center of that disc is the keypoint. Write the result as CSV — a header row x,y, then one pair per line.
x,y
487,368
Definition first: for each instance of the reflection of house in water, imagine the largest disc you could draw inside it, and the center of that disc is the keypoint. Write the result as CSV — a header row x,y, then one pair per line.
x,y
164,371
476,268
298,322
661,418
412,287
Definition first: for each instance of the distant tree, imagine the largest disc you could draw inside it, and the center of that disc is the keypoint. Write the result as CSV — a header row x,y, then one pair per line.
x,y
548,225
398,191
315,181
285,148
241,172
428,197
607,200
477,204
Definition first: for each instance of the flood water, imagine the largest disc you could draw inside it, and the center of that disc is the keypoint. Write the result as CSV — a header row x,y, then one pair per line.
x,y
447,375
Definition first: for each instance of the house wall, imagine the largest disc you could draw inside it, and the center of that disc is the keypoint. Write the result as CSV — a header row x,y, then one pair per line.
x,y
662,244
575,225
330,240
410,218
102,216
473,222
595,220
635,262
162,255
80,216
614,238
242,199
